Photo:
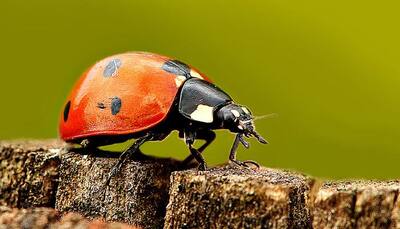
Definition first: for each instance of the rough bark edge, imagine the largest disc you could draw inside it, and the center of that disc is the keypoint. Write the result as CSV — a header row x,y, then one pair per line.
x,y
29,172
41,218
357,193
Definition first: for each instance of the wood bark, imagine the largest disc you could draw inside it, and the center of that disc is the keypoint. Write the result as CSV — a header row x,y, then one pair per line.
x,y
29,173
234,197
49,218
35,174
137,195
357,204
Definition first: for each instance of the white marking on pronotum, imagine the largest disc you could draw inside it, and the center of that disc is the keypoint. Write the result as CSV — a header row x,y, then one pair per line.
x,y
195,74
235,113
203,113
245,110
179,80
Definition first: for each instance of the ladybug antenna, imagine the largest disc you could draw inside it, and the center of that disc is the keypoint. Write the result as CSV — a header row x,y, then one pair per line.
x,y
272,115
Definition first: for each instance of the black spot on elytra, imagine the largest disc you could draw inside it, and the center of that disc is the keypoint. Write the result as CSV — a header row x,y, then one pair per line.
x,y
115,105
176,67
66,111
112,67
101,105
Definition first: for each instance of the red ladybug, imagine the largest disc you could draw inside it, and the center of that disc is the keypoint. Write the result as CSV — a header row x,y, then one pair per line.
x,y
146,96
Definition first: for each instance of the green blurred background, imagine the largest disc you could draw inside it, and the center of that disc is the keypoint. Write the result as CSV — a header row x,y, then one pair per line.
x,y
330,70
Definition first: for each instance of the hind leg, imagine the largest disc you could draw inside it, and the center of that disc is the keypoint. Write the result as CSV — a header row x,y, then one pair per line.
x,y
133,151
130,152
83,147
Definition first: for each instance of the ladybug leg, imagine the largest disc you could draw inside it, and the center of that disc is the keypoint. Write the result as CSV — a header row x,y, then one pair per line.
x,y
190,137
127,154
85,143
85,147
232,155
208,136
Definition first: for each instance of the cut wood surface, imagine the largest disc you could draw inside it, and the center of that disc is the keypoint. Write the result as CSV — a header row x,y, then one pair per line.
x,y
36,174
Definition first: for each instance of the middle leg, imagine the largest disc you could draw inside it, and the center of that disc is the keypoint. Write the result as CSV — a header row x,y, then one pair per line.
x,y
208,136
190,137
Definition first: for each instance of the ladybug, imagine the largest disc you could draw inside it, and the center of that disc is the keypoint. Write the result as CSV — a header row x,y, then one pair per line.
x,y
146,96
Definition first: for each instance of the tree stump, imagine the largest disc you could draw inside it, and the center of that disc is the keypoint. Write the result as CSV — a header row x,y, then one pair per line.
x,y
137,195
357,204
29,173
43,218
235,197
35,174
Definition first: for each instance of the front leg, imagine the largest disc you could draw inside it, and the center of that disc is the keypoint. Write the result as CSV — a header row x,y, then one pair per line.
x,y
232,155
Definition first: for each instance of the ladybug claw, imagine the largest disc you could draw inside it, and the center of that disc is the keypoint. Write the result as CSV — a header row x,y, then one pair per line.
x,y
202,167
108,179
245,163
252,163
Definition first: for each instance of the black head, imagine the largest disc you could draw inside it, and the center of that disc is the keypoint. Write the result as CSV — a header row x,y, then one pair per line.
x,y
238,119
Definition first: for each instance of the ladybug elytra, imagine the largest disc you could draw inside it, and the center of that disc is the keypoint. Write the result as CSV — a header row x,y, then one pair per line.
x,y
146,96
